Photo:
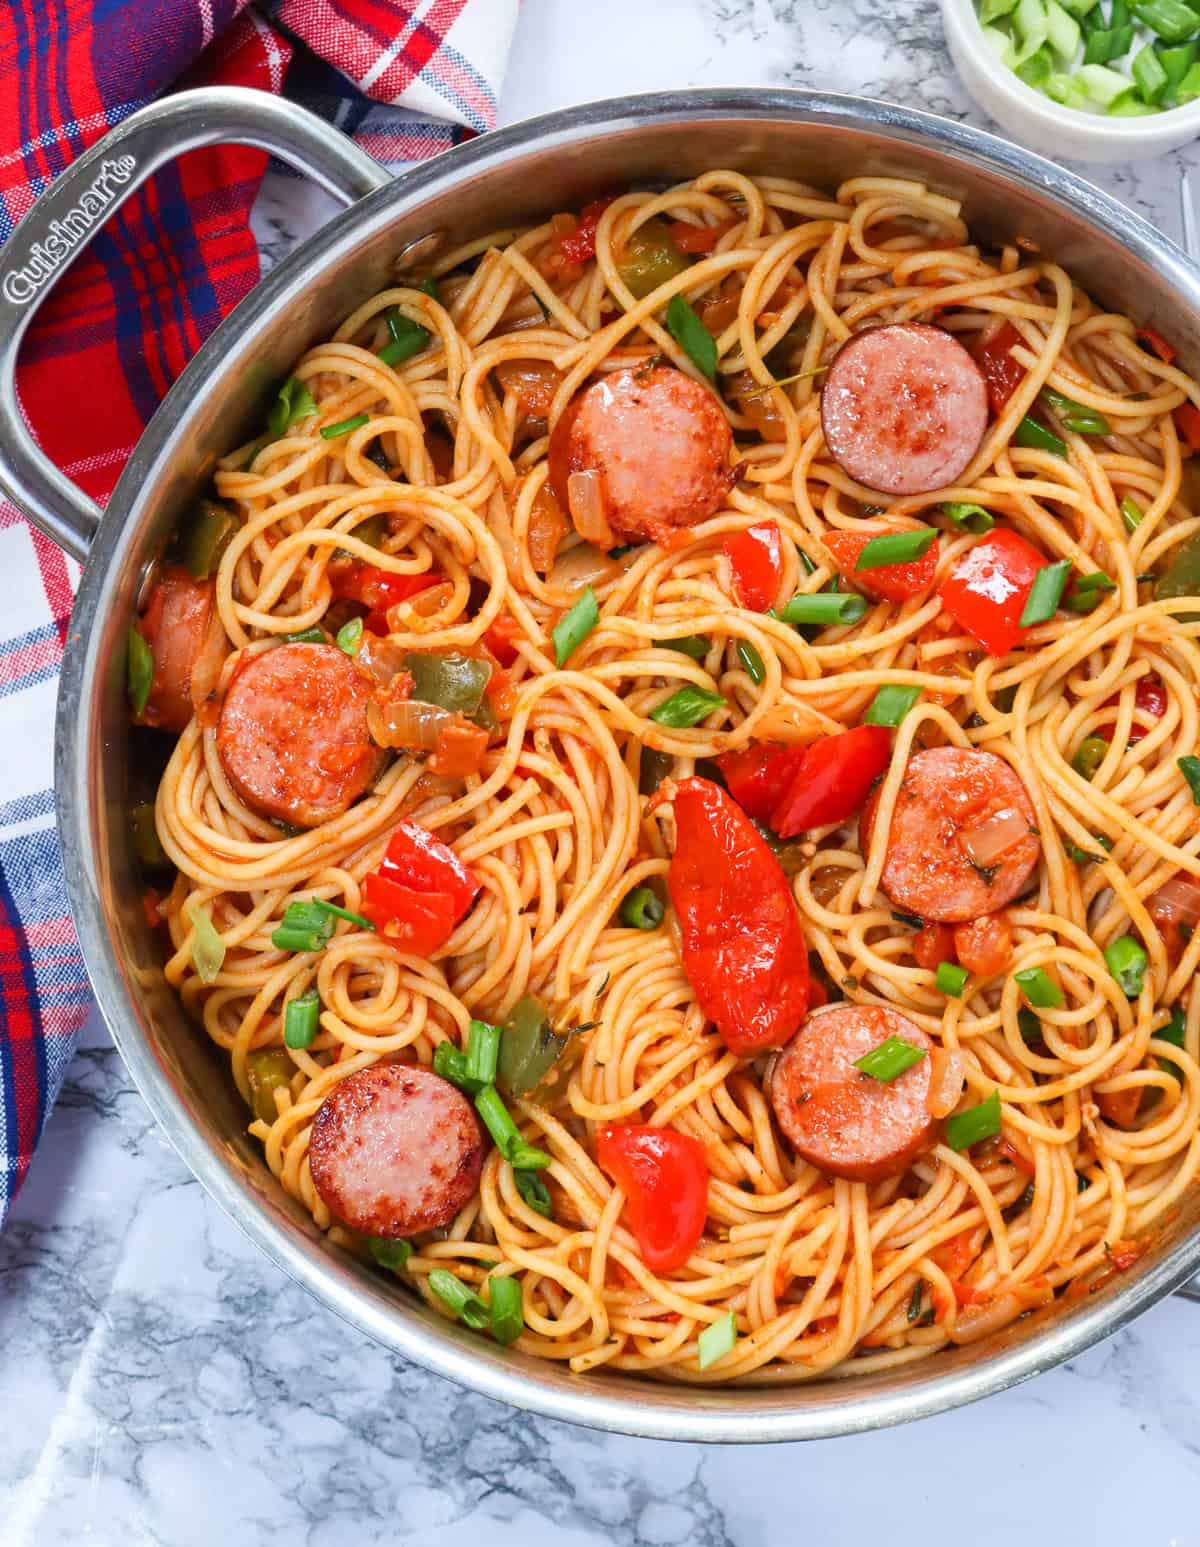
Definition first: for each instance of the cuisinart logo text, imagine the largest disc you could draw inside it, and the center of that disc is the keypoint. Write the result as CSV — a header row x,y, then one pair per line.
x,y
65,234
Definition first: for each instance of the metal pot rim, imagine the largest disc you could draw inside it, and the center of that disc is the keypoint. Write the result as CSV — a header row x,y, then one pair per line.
x,y
678,1411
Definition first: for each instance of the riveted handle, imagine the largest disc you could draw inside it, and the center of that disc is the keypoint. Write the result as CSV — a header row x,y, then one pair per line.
x,y
72,209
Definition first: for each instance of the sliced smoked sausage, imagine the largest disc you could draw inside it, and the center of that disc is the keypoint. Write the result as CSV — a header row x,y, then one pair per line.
x,y
395,1150
841,1120
654,448
962,841
292,736
903,408
182,628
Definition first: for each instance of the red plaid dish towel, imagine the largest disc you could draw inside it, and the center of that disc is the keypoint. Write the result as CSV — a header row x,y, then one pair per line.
x,y
406,78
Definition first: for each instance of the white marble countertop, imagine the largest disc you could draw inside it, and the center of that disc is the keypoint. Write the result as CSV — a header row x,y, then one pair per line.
x,y
161,1383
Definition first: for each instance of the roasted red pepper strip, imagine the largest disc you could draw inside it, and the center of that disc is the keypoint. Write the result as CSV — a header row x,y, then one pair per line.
x,y
377,588
743,950
500,638
690,238
987,589
1157,344
664,1176
758,776
579,246
1001,372
833,779
420,891
756,563
1187,422
896,582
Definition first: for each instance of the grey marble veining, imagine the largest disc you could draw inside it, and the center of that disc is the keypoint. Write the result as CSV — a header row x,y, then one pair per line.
x,y
161,1383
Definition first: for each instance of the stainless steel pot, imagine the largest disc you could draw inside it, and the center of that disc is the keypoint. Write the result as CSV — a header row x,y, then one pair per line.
x,y
549,163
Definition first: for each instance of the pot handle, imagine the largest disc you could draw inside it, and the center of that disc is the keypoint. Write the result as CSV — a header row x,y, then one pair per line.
x,y
91,189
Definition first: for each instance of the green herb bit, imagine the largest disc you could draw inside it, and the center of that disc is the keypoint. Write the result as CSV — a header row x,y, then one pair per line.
x,y
1036,437
686,707
293,402
692,645
139,671
975,1124
1126,960
716,1340
1039,988
890,704
451,1063
534,1191
389,1253
506,1309
464,1302
307,636
1029,1025
1189,767
951,979
692,336
334,431
1076,416
1048,585
483,1054
752,661
300,1020
972,518
574,626
890,1059
896,548
1131,514
408,338
1087,591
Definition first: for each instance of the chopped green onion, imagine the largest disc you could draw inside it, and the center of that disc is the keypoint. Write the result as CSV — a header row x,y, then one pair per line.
x,y
642,908
716,1340
1189,767
821,607
1087,590
686,707
1036,437
507,1312
407,338
1174,1030
975,1124
1035,70
1092,752
890,1059
464,1302
390,1254
1029,23
1062,30
349,636
751,660
308,925
294,401
575,625
972,518
692,336
451,1063
1029,1025
139,671
1082,856
896,548
333,431
1149,73
1189,87
890,704
809,567
1101,85
300,1020
535,1192
1100,45
1039,988
483,1053
1131,514
430,286
498,1121
1173,21
951,980
1076,417
1176,63
307,636
993,10
1126,960
690,644
208,949
1048,585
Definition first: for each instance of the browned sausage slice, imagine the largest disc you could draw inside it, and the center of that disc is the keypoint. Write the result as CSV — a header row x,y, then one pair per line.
x,y
841,1120
182,628
395,1150
292,737
962,841
655,447
903,408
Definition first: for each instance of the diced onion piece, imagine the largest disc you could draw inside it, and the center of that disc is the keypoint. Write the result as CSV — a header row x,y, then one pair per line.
x,y
546,531
987,842
206,671
582,566
980,1321
408,723
586,499
946,1078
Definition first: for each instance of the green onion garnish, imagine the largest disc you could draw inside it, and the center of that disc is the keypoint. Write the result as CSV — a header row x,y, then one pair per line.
x,y
692,336
390,1254
1131,514
1174,1030
294,401
300,1020
1076,417
349,636
507,1313
139,671
896,548
208,949
690,644
1039,988
306,636
951,980
1029,1025
890,704
1126,960
751,660
575,625
407,338
1048,585
308,925
464,1302
1036,437
686,707
890,1059
483,1053
717,1340
1091,753
333,431
1149,74
976,1123
1189,767
1087,591
451,1063
642,909
498,1121
821,607
972,518
535,1192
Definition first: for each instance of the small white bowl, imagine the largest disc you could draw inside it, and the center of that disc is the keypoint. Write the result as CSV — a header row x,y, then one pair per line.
x,y
1057,131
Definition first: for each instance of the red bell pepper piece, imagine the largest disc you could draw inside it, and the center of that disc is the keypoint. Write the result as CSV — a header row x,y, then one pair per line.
x,y
420,891
1001,372
743,950
690,238
1187,422
377,588
420,922
1157,344
897,582
756,562
987,589
833,779
759,775
1150,696
664,1175
500,638
579,246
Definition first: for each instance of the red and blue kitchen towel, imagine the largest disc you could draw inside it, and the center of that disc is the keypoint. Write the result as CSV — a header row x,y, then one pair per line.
x,y
406,78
